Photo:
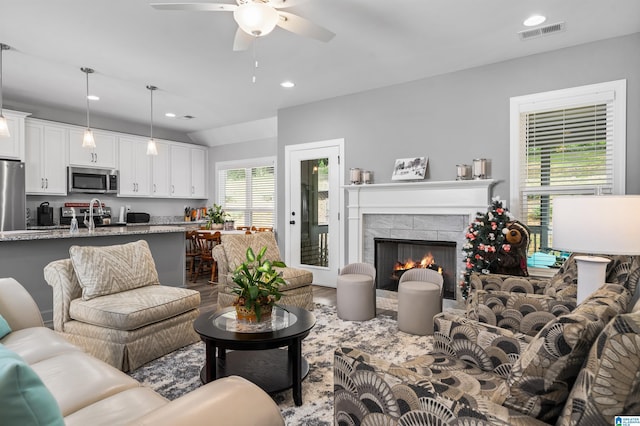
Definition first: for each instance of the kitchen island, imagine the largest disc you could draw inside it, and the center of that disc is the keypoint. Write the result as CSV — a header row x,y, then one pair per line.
x,y
24,254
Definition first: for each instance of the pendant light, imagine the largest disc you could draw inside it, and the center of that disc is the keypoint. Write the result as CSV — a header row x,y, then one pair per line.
x,y
4,127
87,140
152,149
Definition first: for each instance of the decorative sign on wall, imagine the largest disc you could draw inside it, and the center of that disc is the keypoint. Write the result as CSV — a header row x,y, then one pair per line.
x,y
410,168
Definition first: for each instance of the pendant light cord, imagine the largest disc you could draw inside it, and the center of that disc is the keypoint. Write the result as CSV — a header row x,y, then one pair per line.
x,y
2,48
87,71
151,90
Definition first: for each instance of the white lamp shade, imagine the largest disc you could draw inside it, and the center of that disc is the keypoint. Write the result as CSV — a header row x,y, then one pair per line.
x,y
256,18
152,149
87,140
598,224
4,127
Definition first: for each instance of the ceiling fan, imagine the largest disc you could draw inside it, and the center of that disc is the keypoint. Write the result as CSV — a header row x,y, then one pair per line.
x,y
257,18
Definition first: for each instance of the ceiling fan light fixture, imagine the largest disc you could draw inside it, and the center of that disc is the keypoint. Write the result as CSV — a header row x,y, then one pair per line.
x,y
256,18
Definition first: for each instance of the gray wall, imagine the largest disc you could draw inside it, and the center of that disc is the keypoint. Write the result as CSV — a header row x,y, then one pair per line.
x,y
455,117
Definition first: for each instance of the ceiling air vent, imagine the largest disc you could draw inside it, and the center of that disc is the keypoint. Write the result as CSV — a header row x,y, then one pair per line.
x,y
542,31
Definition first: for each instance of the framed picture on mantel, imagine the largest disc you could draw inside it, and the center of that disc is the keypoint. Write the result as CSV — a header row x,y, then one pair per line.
x,y
410,168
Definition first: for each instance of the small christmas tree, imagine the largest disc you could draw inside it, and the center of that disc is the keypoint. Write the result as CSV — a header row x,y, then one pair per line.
x,y
485,238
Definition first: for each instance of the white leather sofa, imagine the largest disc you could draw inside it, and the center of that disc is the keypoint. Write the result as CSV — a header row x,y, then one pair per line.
x,y
91,392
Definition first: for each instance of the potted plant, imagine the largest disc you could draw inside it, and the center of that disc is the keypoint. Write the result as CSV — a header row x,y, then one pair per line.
x,y
257,286
216,217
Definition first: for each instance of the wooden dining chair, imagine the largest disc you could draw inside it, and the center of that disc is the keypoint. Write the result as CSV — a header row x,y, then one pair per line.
x,y
206,241
192,251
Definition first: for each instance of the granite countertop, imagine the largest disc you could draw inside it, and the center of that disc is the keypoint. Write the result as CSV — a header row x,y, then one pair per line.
x,y
58,233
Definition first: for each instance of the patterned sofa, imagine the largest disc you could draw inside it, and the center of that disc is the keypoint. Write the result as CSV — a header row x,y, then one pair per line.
x,y
108,301
526,304
581,368
232,252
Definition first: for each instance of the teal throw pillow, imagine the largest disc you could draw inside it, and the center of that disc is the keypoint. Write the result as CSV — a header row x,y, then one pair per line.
x,y
24,399
4,327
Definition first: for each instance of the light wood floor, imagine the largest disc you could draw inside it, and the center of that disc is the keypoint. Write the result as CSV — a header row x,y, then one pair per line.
x,y
209,293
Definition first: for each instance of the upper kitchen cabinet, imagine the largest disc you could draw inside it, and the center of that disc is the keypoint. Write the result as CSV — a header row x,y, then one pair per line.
x,y
45,158
160,166
188,171
102,156
134,167
12,148
199,172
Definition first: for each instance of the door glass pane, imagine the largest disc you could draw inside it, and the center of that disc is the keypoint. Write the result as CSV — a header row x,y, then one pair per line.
x,y
314,209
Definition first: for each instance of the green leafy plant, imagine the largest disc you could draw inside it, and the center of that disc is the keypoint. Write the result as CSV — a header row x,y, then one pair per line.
x,y
257,282
216,215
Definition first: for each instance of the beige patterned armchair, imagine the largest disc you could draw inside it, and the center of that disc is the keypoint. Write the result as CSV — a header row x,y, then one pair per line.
x,y
108,301
232,252
581,368
526,304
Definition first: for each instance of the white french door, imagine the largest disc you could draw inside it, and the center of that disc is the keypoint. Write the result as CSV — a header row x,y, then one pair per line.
x,y
314,231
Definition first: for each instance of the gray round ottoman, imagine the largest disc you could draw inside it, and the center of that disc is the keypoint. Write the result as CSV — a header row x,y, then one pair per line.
x,y
419,300
356,292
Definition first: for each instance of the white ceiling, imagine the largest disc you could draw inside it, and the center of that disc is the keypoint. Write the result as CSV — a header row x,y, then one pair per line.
x,y
189,56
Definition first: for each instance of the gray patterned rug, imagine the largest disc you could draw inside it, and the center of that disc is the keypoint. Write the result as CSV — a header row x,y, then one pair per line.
x,y
179,372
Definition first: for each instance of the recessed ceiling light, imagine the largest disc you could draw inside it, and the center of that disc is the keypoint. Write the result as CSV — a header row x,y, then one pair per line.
x,y
170,115
93,97
287,84
534,20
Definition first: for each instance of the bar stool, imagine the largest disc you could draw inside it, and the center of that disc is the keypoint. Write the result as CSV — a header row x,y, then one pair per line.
x,y
356,292
419,300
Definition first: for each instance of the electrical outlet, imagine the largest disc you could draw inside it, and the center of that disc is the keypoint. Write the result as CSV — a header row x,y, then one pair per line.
x,y
128,207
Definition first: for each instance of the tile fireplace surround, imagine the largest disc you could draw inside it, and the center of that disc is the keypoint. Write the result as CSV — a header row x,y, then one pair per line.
x,y
436,211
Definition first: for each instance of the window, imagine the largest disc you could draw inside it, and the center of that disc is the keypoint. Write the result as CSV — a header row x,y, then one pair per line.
x,y
246,191
565,142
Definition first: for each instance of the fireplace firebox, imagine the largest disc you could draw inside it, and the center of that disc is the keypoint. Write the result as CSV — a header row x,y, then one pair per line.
x,y
394,256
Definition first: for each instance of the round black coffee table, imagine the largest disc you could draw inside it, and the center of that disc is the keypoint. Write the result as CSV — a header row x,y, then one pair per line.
x,y
255,348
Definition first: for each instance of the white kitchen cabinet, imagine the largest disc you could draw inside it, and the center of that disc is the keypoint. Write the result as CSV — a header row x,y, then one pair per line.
x,y
12,148
198,172
134,167
45,158
180,171
102,156
160,166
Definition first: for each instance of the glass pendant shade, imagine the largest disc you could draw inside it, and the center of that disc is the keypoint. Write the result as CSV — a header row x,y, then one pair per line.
x,y
4,127
87,140
256,18
152,149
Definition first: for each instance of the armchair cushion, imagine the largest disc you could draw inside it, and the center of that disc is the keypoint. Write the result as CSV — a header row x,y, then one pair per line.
x,y
129,310
235,247
543,375
113,269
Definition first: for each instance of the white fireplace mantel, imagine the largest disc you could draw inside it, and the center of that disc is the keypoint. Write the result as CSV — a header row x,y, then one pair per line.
x,y
465,197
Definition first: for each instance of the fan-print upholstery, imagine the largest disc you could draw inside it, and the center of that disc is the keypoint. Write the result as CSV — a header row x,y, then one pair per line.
x,y
232,253
126,319
525,305
481,374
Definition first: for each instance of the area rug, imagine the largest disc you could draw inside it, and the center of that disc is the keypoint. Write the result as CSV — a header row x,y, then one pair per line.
x,y
179,372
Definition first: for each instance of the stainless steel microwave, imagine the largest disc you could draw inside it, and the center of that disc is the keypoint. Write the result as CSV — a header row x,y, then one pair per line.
x,y
92,181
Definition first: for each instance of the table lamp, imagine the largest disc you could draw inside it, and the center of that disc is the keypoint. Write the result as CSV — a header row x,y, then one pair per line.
x,y
596,224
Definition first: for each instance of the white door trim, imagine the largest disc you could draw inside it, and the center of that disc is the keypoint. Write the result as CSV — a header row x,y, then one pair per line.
x,y
288,150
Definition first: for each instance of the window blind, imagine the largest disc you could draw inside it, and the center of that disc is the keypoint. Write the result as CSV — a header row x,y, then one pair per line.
x,y
248,195
565,151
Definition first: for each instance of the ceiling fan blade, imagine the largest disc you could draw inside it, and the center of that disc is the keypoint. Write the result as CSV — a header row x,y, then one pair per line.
x,y
281,4
304,27
196,7
242,40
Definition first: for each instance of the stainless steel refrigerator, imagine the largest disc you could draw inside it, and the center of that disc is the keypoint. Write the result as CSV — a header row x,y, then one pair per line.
x,y
13,197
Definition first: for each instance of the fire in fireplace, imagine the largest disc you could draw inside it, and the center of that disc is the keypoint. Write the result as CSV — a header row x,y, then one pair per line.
x,y
395,256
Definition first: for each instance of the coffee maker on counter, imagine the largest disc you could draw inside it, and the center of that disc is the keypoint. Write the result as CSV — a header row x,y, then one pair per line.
x,y
102,218
44,215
